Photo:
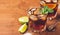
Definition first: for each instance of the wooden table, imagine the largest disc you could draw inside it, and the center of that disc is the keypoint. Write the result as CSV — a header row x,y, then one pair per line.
x,y
11,10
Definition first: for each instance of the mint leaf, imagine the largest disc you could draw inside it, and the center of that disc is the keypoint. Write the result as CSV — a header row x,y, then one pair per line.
x,y
45,8
46,13
50,10
42,10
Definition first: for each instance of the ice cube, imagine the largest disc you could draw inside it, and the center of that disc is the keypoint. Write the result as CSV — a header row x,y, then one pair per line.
x,y
42,3
55,1
33,9
43,17
36,12
33,17
48,0
29,13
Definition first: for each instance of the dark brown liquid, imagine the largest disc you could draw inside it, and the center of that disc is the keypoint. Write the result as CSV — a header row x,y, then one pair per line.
x,y
38,25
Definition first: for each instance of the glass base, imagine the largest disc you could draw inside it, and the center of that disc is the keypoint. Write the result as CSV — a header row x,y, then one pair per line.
x,y
33,30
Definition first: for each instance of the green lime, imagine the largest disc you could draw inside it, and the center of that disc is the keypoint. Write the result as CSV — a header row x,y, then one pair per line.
x,y
23,28
23,19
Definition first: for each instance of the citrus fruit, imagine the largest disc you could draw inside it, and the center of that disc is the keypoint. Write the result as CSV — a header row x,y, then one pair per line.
x,y
52,6
23,28
23,19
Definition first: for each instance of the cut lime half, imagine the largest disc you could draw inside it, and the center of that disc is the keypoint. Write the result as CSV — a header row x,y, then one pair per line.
x,y
23,19
23,28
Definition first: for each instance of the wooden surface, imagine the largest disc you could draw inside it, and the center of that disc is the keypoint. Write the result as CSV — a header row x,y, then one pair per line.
x,y
11,10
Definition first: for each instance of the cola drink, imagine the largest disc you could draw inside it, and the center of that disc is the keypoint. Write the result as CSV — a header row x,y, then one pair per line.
x,y
53,4
37,21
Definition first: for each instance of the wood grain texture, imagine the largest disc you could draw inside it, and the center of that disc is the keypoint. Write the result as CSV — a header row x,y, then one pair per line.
x,y
11,10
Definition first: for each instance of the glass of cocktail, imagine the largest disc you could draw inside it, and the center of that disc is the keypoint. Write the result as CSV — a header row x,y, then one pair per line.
x,y
37,21
53,4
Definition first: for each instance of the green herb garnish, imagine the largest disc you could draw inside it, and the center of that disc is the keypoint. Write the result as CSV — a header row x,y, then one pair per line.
x,y
46,10
50,10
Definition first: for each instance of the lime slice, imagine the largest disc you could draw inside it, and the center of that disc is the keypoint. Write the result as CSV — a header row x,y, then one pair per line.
x,y
23,28
23,19
52,6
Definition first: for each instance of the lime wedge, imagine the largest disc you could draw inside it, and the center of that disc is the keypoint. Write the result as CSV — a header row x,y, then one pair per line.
x,y
23,28
23,19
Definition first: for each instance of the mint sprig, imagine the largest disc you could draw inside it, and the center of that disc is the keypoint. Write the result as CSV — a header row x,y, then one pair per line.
x,y
50,10
46,10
